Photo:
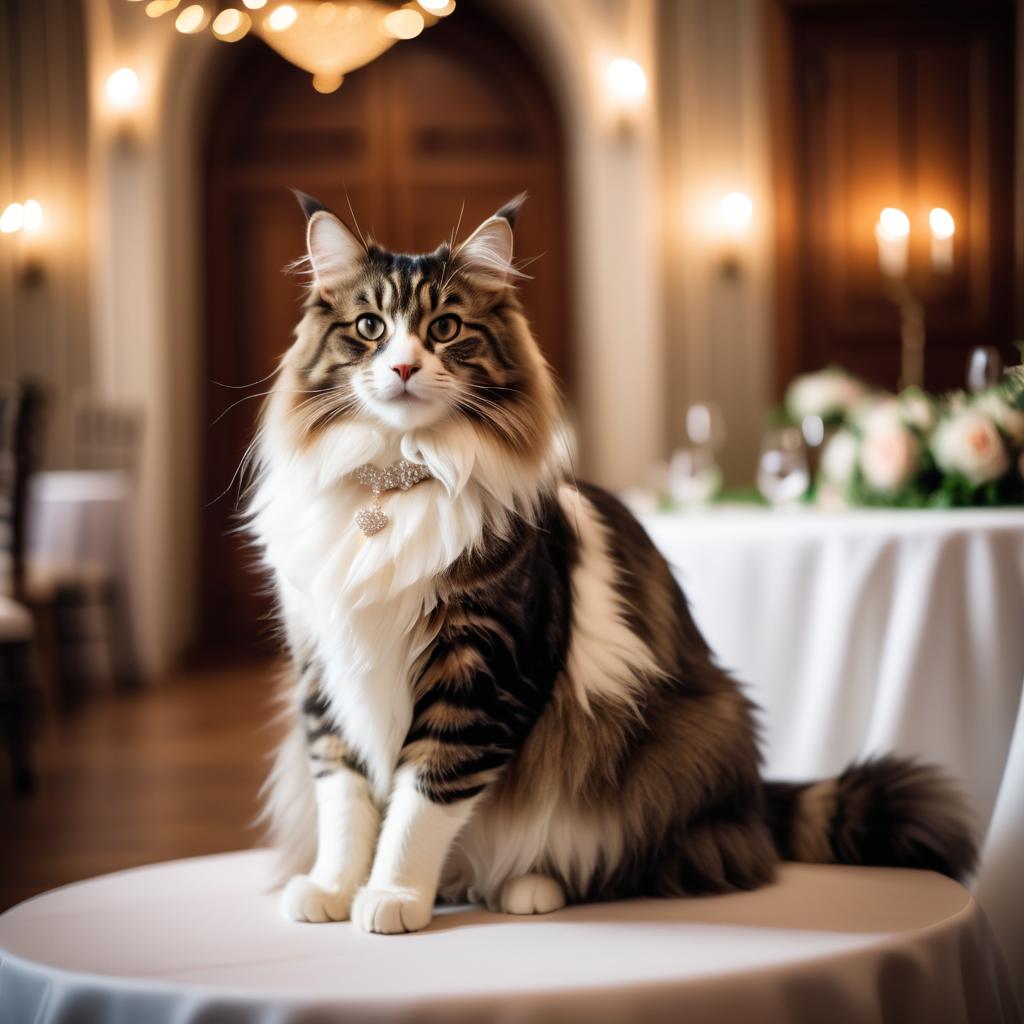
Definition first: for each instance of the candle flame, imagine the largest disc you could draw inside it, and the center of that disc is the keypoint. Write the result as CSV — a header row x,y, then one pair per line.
x,y
893,223
941,222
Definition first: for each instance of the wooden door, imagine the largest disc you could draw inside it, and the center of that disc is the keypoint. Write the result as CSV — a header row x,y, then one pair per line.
x,y
894,104
447,126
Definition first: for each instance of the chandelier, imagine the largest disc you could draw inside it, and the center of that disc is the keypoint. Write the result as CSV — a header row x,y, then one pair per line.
x,y
326,39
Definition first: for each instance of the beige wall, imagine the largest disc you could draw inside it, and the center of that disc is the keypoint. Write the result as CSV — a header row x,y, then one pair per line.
x,y
44,322
714,137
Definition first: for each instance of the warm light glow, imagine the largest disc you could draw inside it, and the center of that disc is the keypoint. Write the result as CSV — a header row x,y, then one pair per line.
x,y
941,222
33,215
327,83
324,14
191,20
231,25
626,81
737,209
281,18
12,218
403,24
156,8
255,5
434,6
123,89
893,223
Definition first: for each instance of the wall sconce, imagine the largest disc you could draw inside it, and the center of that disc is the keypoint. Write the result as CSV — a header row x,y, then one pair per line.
x,y
736,211
123,90
625,84
25,220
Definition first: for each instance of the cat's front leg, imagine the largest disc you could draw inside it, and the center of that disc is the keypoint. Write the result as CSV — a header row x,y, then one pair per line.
x,y
414,842
348,823
464,730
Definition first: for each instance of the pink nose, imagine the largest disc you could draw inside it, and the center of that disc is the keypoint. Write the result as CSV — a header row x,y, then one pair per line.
x,y
405,370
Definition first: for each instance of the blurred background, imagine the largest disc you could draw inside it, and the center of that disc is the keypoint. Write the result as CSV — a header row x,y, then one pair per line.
x,y
714,188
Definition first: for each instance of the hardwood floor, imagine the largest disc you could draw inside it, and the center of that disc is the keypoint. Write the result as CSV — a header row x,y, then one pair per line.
x,y
143,777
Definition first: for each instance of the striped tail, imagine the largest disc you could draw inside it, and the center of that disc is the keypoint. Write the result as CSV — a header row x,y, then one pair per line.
x,y
888,812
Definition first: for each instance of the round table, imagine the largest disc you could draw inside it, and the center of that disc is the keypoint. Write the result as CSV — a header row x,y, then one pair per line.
x,y
873,630
203,940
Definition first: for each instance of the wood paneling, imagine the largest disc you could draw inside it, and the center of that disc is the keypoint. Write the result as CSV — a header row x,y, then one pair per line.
x,y
906,105
448,126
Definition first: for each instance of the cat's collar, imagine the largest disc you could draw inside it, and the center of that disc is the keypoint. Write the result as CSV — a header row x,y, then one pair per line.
x,y
399,476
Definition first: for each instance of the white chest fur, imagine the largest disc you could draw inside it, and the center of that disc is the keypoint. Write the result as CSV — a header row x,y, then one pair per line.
x,y
359,603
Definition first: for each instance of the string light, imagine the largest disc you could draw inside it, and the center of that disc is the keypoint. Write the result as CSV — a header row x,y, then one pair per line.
x,y
191,20
230,25
281,18
404,23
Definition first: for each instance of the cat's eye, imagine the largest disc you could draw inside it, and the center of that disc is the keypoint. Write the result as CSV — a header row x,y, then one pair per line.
x,y
445,328
370,327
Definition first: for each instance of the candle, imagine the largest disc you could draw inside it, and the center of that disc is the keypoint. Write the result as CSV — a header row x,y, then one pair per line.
x,y
942,227
893,234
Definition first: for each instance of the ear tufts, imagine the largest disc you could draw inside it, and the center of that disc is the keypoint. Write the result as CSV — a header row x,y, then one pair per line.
x,y
511,209
309,204
334,252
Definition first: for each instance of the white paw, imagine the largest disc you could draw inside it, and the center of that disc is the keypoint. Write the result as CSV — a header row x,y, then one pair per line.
x,y
388,911
305,900
530,894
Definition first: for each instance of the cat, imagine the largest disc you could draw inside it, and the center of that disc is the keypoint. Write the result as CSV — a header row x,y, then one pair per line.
x,y
497,692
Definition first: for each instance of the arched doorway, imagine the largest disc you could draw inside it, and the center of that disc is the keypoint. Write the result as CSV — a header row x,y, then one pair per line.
x,y
458,116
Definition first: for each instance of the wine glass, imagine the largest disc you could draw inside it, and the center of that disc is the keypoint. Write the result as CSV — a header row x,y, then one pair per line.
x,y
984,368
693,476
782,471
705,425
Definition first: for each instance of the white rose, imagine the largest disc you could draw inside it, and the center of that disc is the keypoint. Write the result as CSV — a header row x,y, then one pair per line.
x,y
968,443
918,410
879,414
888,454
839,459
825,394
1008,419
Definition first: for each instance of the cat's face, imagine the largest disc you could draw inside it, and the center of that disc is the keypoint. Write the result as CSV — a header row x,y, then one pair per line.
x,y
412,341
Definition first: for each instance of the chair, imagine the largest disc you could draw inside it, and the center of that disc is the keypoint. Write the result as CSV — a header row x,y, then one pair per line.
x,y
21,420
107,436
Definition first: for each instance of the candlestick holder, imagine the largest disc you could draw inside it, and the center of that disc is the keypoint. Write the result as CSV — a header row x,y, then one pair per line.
x,y
892,233
912,332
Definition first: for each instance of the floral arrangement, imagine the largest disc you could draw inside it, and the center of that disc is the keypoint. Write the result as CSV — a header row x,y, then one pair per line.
x,y
914,449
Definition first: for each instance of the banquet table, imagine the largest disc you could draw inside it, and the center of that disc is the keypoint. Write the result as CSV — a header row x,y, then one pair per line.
x,y
85,517
868,631
203,940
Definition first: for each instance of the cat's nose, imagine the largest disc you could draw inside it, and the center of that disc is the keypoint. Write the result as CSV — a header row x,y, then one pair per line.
x,y
405,370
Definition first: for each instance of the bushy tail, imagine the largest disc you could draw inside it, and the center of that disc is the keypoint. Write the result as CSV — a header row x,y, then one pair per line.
x,y
886,812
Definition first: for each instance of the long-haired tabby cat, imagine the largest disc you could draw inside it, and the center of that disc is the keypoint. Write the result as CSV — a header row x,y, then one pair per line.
x,y
498,693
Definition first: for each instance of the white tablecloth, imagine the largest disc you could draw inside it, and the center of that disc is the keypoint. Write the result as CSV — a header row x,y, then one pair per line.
x,y
85,516
202,940
870,631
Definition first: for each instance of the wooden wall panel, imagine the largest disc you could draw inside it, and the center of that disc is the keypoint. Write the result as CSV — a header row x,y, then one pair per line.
x,y
906,105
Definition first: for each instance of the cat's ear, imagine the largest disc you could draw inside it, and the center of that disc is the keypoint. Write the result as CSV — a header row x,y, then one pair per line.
x,y
486,255
335,253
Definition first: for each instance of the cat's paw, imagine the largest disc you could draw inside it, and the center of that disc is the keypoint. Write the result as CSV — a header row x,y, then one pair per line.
x,y
389,911
306,900
530,894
